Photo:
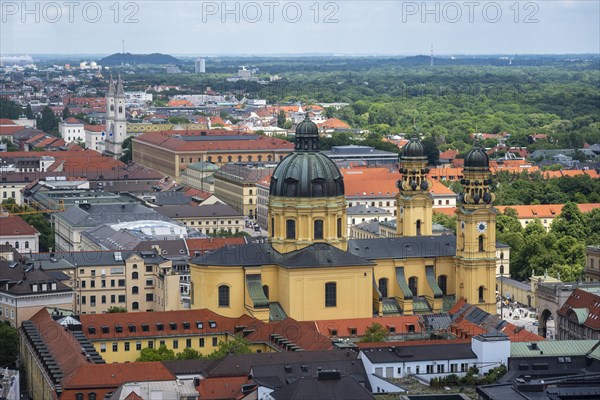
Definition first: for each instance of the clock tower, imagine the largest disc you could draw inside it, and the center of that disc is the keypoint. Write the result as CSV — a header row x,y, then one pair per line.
x,y
476,234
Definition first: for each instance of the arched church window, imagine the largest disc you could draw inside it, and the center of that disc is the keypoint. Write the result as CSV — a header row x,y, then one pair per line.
x,y
413,285
383,287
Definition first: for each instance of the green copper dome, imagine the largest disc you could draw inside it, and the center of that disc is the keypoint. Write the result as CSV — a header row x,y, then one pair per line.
x,y
307,172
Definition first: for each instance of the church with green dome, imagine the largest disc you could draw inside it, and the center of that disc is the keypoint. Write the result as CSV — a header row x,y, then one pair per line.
x,y
308,269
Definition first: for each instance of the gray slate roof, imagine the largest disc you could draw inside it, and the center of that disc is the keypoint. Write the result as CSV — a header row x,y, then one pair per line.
x,y
404,247
17,279
209,210
427,352
108,213
314,256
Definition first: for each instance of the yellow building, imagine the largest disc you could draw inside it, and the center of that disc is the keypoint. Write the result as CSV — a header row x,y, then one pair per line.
x,y
310,270
137,281
120,337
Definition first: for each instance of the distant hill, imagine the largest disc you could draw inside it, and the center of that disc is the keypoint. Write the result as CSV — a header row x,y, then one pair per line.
x,y
136,59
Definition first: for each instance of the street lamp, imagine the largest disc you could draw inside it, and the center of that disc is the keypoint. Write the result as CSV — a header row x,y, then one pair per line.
x,y
501,284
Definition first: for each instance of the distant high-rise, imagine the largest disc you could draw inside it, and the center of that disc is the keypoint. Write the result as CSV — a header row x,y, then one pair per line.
x,y
200,65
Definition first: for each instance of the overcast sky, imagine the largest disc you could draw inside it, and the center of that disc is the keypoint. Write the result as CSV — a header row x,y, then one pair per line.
x,y
276,27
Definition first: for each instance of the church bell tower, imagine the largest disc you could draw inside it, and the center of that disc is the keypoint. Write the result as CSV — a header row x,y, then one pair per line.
x,y
476,234
414,201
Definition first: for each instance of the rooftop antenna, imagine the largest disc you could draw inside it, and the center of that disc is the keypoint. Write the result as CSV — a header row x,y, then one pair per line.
x,y
431,56
123,44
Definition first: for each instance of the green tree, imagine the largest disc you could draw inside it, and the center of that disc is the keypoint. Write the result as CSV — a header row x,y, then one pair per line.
x,y
239,345
281,119
116,309
445,220
48,121
178,120
9,345
127,147
160,354
66,113
189,354
570,222
374,333
29,112
9,109
431,150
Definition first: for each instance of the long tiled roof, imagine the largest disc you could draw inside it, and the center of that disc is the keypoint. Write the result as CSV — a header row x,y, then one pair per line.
x,y
201,211
343,326
552,348
404,247
314,256
422,352
169,142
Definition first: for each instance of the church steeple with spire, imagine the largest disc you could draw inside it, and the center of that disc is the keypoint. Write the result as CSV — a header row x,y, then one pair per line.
x,y
116,119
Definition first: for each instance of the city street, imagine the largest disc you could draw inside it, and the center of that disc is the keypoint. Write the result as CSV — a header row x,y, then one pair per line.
x,y
521,316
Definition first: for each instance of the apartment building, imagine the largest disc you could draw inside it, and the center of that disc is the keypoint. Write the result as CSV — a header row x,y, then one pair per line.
x,y
135,280
206,219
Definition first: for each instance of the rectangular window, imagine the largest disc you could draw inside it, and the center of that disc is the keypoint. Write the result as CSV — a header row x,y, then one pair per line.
x,y
121,298
103,298
138,346
112,283
430,369
175,343
318,229
115,347
83,284
150,344
149,297
330,294
201,342
215,342
162,343
102,347
112,298
82,299
290,229
103,283
188,343
92,283
148,268
92,300
121,282
126,346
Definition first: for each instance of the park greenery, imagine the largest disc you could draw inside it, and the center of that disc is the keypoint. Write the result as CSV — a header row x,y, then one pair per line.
x,y
236,345
560,251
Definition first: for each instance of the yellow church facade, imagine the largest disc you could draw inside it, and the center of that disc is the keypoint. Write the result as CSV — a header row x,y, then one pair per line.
x,y
307,269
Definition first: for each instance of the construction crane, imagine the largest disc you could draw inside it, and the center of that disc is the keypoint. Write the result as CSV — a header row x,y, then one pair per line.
x,y
8,208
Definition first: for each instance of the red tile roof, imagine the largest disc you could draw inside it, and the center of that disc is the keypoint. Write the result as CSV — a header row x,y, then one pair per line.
x,y
72,120
6,121
342,326
10,130
333,123
584,300
64,348
164,140
211,244
544,210
303,334
14,225
223,324
449,154
222,388
105,378
382,181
